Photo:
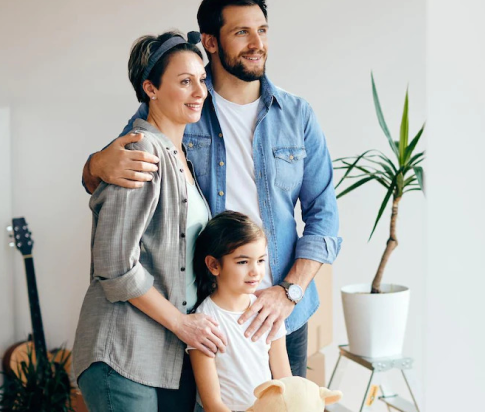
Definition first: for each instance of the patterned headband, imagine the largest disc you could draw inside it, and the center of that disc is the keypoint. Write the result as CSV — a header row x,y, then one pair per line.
x,y
193,37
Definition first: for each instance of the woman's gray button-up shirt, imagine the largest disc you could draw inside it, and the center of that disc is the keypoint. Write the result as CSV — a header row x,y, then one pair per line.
x,y
138,240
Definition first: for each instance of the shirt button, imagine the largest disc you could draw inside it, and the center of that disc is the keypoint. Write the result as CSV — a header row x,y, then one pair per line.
x,y
182,235
220,134
184,303
221,163
184,201
191,144
291,157
175,152
221,193
181,170
182,269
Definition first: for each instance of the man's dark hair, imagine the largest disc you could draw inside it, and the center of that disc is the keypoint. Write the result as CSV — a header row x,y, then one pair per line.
x,y
210,18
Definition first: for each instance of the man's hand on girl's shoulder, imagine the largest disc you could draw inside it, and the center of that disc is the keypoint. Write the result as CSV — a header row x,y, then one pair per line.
x,y
272,308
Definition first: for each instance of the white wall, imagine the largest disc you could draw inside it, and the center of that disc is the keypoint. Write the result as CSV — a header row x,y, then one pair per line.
x,y
455,280
325,53
63,74
6,253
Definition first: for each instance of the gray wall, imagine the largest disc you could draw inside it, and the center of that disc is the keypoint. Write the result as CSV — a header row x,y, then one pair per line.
x,y
7,331
455,338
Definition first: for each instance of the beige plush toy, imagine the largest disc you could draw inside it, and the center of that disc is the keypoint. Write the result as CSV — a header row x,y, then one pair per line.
x,y
293,394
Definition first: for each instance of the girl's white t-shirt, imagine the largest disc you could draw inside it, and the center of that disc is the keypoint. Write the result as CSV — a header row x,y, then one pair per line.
x,y
197,217
245,364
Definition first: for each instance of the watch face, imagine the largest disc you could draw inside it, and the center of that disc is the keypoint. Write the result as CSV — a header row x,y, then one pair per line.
x,y
295,292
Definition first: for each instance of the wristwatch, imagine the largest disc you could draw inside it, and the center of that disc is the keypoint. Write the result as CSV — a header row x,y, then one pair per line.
x,y
293,291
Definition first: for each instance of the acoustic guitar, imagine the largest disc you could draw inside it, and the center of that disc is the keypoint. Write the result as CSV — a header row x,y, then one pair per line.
x,y
17,353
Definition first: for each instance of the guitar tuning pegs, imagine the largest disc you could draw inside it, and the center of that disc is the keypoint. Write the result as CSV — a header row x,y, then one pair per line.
x,y
9,229
11,244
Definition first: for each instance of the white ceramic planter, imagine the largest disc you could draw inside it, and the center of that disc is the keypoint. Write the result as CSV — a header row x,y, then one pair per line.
x,y
376,323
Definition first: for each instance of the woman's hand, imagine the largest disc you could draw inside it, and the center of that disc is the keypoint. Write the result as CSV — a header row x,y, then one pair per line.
x,y
201,332
198,330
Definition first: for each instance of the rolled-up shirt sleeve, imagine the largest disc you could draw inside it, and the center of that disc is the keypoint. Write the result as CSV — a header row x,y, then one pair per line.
x,y
320,240
120,218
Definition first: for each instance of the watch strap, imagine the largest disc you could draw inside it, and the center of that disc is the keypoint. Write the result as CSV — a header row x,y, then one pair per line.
x,y
286,285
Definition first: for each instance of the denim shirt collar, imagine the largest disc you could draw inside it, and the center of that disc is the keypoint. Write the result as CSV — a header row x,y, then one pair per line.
x,y
269,92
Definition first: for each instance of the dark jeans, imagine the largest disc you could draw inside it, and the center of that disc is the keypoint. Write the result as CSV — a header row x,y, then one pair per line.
x,y
297,346
105,390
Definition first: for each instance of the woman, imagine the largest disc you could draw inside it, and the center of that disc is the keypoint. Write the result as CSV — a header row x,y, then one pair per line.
x,y
134,323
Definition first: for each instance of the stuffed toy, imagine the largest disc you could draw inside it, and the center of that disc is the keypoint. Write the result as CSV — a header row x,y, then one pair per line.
x,y
293,394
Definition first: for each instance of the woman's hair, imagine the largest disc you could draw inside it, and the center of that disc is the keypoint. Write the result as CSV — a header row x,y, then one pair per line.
x,y
140,54
223,235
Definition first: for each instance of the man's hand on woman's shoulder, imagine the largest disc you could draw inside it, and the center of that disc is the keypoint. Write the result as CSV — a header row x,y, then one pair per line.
x,y
118,166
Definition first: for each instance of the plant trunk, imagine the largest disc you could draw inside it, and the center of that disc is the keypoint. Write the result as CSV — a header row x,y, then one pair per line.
x,y
390,246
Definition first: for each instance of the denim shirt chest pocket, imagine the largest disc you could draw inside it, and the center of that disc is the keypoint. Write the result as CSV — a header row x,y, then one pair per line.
x,y
198,152
289,166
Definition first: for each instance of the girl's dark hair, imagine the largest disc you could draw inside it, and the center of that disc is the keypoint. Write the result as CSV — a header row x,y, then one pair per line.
x,y
140,54
222,236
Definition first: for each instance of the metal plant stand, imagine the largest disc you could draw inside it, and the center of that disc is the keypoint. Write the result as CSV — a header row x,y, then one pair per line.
x,y
378,368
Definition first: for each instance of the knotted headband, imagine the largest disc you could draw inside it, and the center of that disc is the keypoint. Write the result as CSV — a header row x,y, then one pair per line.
x,y
193,37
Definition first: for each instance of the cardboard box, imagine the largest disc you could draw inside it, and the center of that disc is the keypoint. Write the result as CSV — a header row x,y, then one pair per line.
x,y
320,325
316,369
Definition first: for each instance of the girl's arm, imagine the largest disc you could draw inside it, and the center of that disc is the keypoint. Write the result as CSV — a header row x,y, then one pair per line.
x,y
278,359
207,382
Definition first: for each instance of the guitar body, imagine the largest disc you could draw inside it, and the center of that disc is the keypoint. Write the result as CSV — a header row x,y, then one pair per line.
x,y
19,353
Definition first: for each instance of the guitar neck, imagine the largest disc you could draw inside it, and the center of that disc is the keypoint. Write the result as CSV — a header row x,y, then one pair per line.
x,y
35,315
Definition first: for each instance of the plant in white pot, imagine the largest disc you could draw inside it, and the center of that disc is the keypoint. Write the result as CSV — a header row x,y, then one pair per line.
x,y
376,315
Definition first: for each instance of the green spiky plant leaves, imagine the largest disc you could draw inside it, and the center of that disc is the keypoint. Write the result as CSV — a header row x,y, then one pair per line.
x,y
38,386
399,175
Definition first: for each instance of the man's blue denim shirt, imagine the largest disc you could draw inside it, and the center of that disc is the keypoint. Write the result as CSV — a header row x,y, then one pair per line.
x,y
291,162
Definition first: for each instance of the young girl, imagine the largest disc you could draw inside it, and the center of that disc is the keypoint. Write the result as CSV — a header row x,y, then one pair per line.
x,y
229,263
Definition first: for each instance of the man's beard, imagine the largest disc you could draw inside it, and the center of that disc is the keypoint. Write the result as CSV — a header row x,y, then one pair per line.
x,y
237,68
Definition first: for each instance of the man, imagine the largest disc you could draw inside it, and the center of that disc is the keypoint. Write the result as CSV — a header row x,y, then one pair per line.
x,y
257,149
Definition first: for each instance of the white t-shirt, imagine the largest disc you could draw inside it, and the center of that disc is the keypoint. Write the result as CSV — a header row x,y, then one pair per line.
x,y
197,218
237,124
245,364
